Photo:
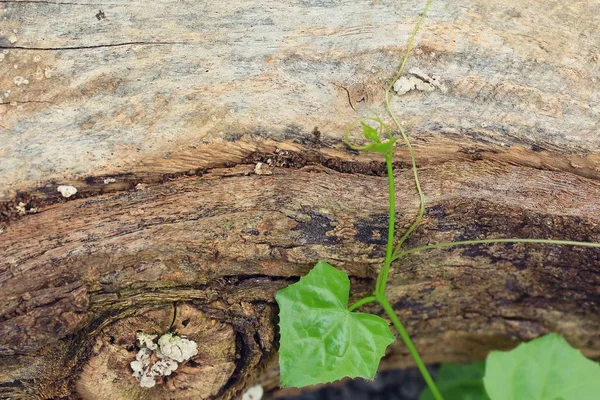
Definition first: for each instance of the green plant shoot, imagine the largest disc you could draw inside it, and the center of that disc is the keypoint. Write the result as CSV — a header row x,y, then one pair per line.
x,y
323,339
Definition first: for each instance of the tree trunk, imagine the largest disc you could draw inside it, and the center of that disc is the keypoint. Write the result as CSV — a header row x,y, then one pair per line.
x,y
204,141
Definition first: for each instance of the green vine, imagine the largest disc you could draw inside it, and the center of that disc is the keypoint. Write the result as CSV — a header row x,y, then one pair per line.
x,y
322,338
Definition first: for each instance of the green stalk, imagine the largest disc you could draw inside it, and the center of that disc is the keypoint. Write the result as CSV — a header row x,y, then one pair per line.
x,y
390,252
492,241
385,270
403,133
394,254
411,347
382,282
362,302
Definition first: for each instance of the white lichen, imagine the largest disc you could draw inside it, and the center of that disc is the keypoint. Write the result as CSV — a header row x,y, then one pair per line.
x,y
147,381
12,39
21,208
256,392
170,350
262,169
147,340
176,348
142,358
418,80
141,367
164,367
67,190
109,180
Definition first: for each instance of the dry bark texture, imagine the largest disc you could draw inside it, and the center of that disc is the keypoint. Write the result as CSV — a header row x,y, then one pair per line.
x,y
158,113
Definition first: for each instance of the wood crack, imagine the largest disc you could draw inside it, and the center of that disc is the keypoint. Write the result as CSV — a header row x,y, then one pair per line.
x,y
97,46
93,186
25,102
50,2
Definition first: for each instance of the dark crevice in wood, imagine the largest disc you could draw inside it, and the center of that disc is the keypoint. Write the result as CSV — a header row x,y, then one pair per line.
x,y
96,46
25,102
47,2
45,195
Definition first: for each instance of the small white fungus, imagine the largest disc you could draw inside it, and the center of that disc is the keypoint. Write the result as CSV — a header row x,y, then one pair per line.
x,y
147,381
256,392
418,80
171,350
163,367
262,169
176,348
21,208
147,340
66,190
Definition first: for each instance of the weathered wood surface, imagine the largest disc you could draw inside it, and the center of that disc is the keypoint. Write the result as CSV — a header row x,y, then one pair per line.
x,y
158,113
144,86
226,241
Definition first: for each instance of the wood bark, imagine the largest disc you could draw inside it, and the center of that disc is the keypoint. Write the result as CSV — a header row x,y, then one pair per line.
x,y
204,140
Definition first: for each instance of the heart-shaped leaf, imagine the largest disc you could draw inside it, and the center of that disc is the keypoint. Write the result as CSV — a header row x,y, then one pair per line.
x,y
321,341
547,368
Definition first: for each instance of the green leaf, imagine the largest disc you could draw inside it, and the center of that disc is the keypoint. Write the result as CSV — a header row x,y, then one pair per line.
x,y
381,148
321,341
370,133
459,382
547,368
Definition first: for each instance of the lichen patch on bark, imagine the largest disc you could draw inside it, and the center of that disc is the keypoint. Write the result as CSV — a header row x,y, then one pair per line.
x,y
107,373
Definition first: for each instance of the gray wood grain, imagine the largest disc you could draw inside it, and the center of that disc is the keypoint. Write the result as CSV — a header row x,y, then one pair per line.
x,y
144,84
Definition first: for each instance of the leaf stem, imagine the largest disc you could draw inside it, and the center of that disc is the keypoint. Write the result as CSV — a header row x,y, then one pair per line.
x,y
491,241
362,302
385,270
411,347
383,274
390,251
403,133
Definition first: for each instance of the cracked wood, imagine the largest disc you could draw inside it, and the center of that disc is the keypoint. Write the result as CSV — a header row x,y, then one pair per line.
x,y
150,87
157,116
202,231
